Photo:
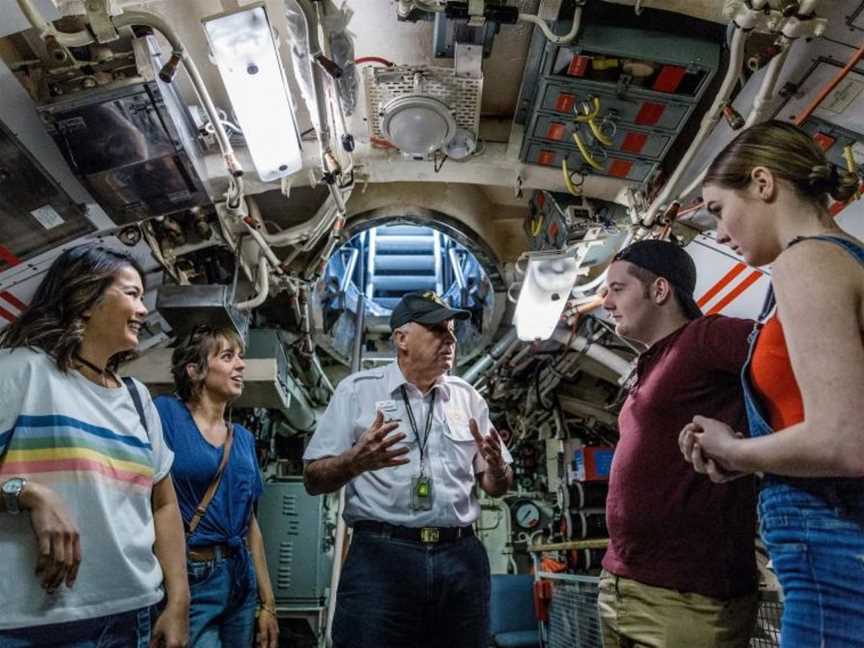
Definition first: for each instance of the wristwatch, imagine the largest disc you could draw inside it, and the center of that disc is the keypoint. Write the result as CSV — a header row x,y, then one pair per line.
x,y
11,491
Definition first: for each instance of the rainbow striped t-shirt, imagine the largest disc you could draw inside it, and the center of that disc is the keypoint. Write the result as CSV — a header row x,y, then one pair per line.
x,y
86,442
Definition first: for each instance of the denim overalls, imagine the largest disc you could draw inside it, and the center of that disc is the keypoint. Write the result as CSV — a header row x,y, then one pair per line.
x,y
814,532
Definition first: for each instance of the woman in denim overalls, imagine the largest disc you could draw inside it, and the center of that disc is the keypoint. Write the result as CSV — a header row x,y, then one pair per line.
x,y
769,191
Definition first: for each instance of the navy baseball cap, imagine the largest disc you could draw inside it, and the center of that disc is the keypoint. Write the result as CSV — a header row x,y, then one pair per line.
x,y
667,260
424,308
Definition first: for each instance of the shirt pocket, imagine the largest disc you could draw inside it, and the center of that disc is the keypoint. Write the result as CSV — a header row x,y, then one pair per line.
x,y
459,450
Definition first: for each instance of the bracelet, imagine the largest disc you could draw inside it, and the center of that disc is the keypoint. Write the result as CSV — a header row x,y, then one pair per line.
x,y
266,608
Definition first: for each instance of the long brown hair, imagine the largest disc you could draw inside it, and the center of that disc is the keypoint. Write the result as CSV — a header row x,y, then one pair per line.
x,y
195,348
789,153
54,322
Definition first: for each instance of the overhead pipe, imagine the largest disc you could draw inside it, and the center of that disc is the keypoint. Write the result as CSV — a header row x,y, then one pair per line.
x,y
262,286
47,30
593,350
305,321
309,231
179,53
736,61
265,247
498,350
555,39
322,133
761,104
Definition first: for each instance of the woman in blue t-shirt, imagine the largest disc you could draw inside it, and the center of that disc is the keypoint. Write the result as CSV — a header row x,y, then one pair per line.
x,y
225,550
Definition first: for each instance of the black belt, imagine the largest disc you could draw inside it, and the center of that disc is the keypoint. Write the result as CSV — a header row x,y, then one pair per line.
x,y
426,535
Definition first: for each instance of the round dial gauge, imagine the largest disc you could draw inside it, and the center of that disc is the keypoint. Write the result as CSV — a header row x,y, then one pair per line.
x,y
527,514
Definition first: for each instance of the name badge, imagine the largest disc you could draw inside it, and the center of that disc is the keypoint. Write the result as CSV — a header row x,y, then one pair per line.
x,y
390,410
456,416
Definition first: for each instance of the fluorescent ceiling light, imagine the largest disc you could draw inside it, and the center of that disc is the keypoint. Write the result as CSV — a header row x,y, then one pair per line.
x,y
545,291
243,47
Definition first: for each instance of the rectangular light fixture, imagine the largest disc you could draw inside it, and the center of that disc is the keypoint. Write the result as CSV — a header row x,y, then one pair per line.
x,y
242,45
549,278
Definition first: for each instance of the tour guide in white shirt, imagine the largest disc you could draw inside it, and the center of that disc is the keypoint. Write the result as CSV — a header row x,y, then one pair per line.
x,y
410,442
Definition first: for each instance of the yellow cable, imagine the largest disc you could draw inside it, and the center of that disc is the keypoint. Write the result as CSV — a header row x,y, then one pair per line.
x,y
586,154
590,117
536,225
573,189
599,135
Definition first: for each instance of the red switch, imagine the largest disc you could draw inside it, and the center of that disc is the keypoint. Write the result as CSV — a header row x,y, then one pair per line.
x,y
546,158
564,103
650,113
556,131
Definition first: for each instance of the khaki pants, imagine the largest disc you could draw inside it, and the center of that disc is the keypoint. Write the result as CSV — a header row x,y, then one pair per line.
x,y
634,615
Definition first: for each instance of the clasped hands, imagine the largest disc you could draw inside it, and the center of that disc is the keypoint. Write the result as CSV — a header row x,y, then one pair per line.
x,y
706,444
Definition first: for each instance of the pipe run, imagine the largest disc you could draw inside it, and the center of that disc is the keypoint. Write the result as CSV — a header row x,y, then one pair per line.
x,y
736,61
759,113
307,233
262,286
46,29
495,354
563,39
593,350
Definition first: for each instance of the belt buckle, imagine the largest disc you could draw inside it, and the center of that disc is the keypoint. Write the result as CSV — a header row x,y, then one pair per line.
x,y
429,534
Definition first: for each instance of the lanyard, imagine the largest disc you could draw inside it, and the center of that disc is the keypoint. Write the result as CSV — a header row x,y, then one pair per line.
x,y
421,443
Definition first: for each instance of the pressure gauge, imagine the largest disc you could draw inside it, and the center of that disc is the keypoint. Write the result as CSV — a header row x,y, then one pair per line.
x,y
527,514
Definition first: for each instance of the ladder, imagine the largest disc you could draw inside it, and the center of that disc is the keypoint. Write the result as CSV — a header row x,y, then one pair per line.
x,y
401,259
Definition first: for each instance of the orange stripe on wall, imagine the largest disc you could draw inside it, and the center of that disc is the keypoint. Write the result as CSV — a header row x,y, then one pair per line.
x,y
720,285
748,281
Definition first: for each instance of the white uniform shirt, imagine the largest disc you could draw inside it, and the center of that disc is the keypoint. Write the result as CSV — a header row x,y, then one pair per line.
x,y
452,456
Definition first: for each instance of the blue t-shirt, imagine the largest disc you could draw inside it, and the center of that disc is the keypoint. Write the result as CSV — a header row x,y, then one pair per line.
x,y
195,464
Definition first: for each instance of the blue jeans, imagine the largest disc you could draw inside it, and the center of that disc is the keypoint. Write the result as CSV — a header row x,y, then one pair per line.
x,y
818,555
223,599
124,630
397,593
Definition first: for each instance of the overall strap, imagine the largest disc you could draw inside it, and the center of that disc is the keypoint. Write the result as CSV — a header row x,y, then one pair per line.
x,y
201,509
854,248
136,399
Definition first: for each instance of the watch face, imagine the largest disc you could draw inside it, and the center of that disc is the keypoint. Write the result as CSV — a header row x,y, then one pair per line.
x,y
13,485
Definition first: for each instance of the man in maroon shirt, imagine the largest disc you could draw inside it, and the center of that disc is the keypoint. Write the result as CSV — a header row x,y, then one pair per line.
x,y
680,570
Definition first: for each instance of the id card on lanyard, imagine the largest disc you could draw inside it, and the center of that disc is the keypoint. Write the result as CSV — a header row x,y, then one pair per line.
x,y
422,487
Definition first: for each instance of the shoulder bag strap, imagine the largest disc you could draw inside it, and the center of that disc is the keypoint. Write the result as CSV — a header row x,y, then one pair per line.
x,y
201,509
136,400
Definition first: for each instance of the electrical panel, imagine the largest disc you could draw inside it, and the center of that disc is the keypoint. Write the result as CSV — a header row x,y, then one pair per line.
x,y
839,144
613,102
556,220
36,213
131,143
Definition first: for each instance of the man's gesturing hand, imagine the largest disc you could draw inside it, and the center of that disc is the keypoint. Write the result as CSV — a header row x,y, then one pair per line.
x,y
375,449
490,448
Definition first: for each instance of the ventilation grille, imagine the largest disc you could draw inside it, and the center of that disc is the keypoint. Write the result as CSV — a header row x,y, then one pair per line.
x,y
461,94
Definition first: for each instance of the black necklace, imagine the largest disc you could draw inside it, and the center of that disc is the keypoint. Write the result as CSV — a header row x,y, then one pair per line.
x,y
90,365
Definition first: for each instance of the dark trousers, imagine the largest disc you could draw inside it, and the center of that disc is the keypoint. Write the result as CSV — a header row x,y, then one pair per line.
x,y
403,594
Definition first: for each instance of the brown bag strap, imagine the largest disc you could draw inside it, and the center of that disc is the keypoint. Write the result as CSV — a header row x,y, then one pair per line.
x,y
201,509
